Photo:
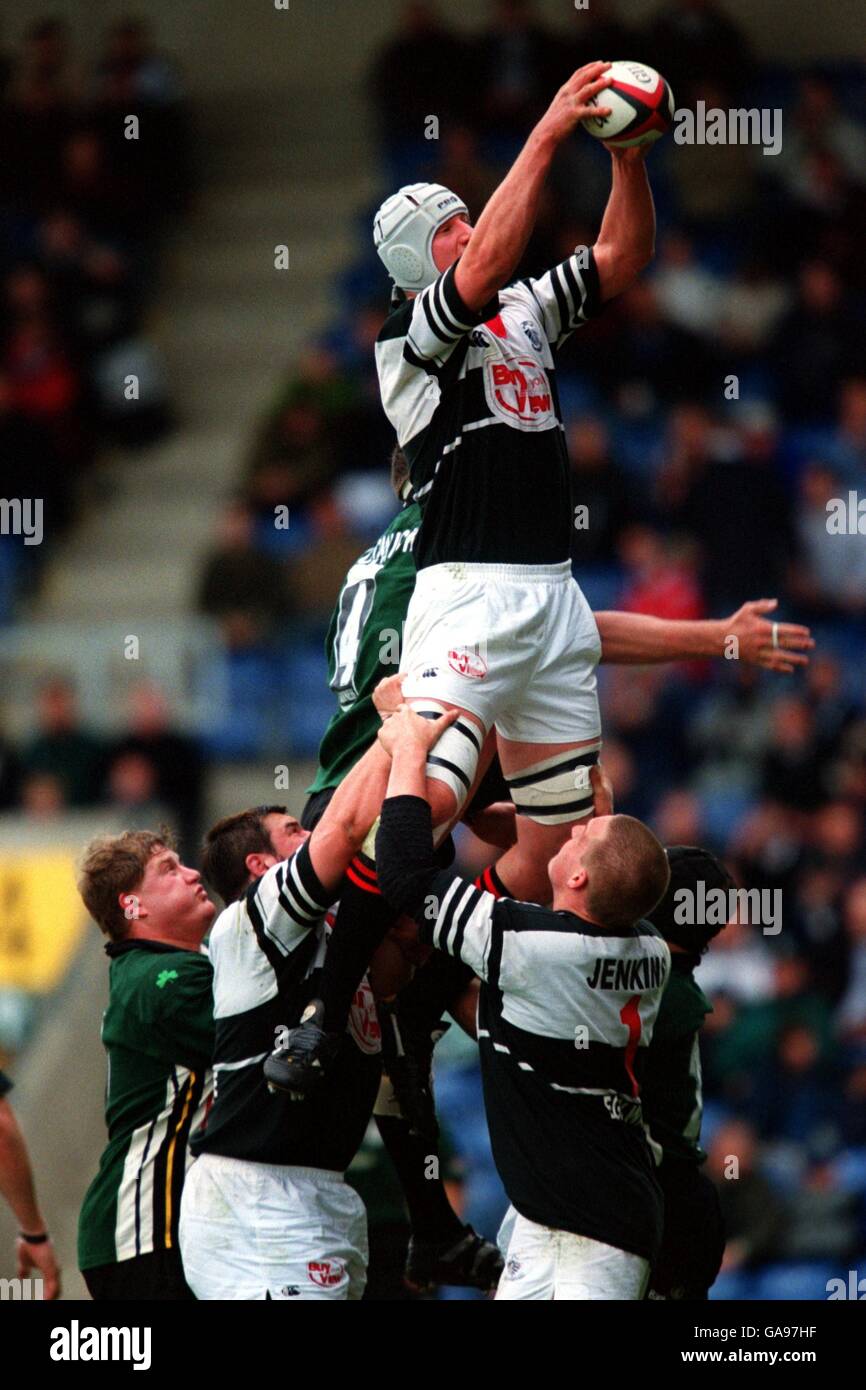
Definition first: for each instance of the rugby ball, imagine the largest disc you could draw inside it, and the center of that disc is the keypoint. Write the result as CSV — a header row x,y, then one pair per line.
x,y
641,106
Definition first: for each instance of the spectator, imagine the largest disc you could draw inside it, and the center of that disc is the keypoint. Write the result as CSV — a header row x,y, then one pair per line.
x,y
611,501
63,748
830,577
513,72
851,1016
133,78
175,758
792,771
723,488
241,587
693,41
131,788
796,1096
423,71
45,385
752,1211
818,343
42,797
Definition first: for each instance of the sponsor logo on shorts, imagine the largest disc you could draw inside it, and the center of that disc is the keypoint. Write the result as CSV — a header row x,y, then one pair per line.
x,y
467,662
326,1273
290,1291
364,1021
512,1268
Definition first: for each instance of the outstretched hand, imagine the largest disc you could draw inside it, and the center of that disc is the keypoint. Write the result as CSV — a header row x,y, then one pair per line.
x,y
754,634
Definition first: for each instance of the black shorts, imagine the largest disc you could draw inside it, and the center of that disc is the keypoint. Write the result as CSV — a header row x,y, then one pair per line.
x,y
694,1233
157,1277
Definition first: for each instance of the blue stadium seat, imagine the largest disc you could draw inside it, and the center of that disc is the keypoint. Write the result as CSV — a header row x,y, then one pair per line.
x,y
734,1285
801,1281
306,703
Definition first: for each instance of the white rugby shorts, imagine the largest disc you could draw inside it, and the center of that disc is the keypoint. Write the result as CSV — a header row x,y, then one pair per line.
x,y
543,1263
259,1230
516,645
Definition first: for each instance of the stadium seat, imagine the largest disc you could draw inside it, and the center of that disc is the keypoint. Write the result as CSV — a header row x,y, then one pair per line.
x,y
778,1283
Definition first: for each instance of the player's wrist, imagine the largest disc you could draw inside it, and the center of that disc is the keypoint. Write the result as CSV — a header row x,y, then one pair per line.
x,y
544,138
718,634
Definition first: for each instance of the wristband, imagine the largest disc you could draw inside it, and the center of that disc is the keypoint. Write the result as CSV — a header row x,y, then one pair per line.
x,y
34,1240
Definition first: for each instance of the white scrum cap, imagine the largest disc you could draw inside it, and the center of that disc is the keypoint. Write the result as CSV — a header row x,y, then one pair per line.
x,y
404,227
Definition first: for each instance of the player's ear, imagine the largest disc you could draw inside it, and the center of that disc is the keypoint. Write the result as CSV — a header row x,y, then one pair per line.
x,y
578,879
132,907
258,864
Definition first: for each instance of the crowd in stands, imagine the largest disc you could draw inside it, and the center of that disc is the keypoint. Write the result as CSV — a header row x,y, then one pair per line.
x,y
94,167
149,774
713,412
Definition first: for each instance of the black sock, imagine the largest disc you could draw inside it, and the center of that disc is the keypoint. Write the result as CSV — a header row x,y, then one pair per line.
x,y
490,882
432,1216
362,920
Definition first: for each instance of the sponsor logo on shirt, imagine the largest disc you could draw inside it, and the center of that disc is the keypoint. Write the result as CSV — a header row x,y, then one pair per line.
x,y
518,391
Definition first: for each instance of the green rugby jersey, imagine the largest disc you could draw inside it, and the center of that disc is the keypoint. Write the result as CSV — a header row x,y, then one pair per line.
x,y
363,643
158,1032
671,1091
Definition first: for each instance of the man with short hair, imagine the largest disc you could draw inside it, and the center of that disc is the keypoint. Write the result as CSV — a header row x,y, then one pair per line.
x,y
158,1034
568,1000
266,1211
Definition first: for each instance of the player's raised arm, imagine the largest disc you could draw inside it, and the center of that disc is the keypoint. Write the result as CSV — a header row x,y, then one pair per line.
x,y
626,240
351,812
637,639
503,230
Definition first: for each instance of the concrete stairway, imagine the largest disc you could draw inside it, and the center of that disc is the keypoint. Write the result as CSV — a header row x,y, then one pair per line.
x,y
229,325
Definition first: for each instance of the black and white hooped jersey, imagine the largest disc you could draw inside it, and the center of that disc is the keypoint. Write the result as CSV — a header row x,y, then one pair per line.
x,y
472,397
565,1017
267,950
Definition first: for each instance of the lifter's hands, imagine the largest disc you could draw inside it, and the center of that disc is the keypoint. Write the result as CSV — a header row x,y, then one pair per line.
x,y
388,695
571,105
407,730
